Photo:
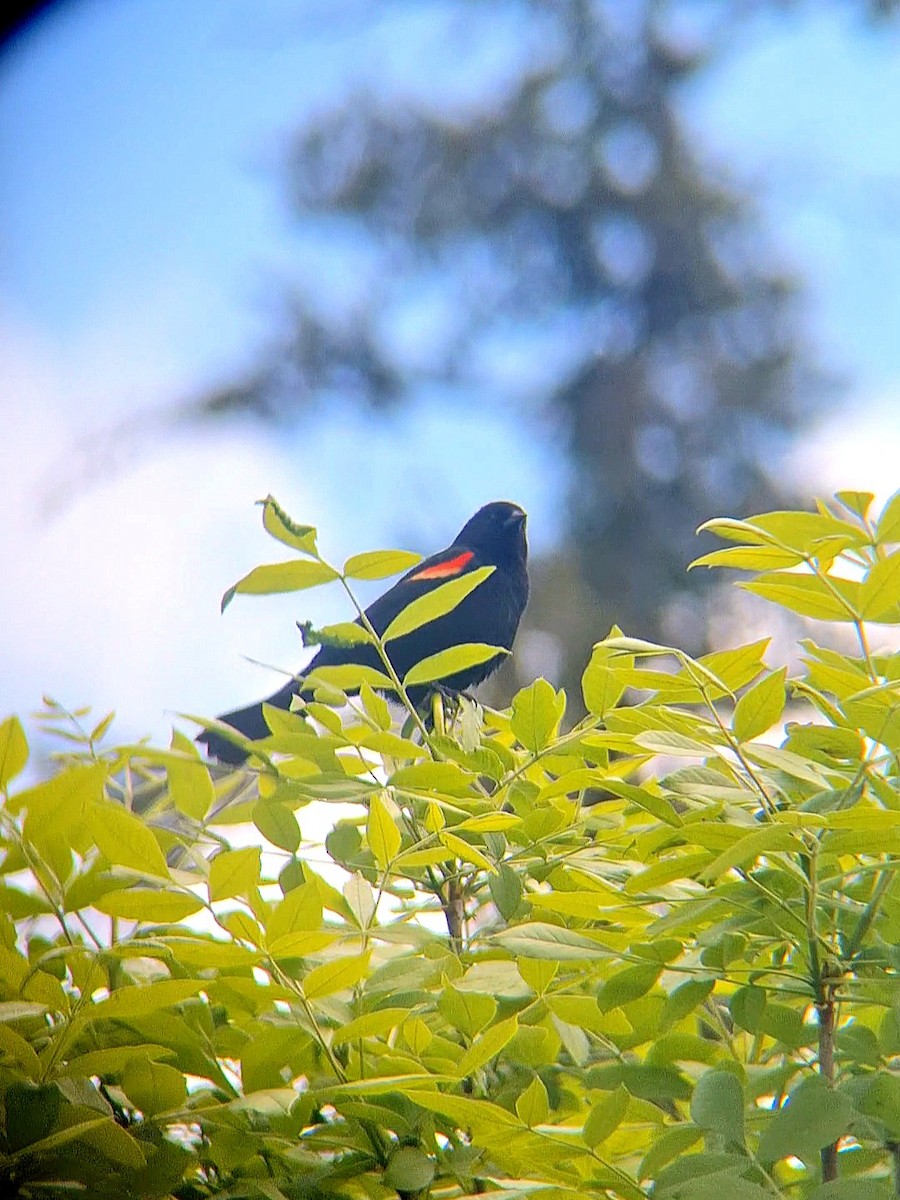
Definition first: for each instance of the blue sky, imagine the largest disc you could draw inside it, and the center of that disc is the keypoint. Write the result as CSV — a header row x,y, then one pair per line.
x,y
142,237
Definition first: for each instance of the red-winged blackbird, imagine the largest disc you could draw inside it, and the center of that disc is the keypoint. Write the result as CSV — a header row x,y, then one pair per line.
x,y
495,536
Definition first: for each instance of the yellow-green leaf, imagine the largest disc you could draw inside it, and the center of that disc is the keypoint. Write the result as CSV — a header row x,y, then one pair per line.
x,y
335,976
888,527
451,661
125,840
374,1024
13,749
488,1045
148,904
300,910
277,523
137,1000
881,590
533,1106
382,832
605,1117
809,595
436,603
234,872
293,576
467,853
749,848
190,784
379,564
152,1087
536,713
277,824
760,706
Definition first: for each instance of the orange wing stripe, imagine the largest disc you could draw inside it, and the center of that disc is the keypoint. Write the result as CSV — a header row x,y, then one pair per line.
x,y
453,566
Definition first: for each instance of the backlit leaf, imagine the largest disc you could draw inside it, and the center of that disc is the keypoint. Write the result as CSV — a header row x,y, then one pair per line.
x,y
382,833
335,976
760,707
13,749
536,713
293,576
277,523
435,603
125,840
451,662
379,564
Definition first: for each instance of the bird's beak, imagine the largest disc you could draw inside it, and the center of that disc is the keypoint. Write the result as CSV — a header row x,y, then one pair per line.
x,y
515,518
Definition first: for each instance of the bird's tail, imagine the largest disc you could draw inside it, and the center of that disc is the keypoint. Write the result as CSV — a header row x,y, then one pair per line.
x,y
247,721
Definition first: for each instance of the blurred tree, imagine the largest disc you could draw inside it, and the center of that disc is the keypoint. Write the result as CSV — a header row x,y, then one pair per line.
x,y
553,243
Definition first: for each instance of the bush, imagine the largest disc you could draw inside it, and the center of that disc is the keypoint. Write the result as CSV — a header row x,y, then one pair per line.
x,y
556,964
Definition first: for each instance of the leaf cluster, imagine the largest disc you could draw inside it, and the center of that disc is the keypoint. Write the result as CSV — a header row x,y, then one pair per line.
x,y
650,953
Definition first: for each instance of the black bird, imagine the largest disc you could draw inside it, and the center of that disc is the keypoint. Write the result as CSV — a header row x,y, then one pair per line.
x,y
495,537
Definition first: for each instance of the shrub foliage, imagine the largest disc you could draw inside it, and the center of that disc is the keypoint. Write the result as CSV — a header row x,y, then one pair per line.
x,y
651,953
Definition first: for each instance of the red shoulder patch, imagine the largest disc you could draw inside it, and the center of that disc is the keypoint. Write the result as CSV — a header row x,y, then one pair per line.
x,y
446,570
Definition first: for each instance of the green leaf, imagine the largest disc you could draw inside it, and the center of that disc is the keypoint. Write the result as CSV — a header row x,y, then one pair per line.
x,y
858,503
749,558
536,713
880,598
487,1046
277,824
447,778
358,893
293,576
853,1189
379,564
750,847
117,1144
148,904
153,1087
299,911
277,523
409,1170
601,685
13,749
506,891
234,872
347,677
760,707
468,1012
605,1117
31,1112
335,976
374,1024
783,1023
668,1145
888,527
436,603
376,707
124,840
809,595
747,1006
190,784
382,833
451,662
808,531
137,1000
814,1116
717,1105
685,998
532,1105
344,633
467,852
627,985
